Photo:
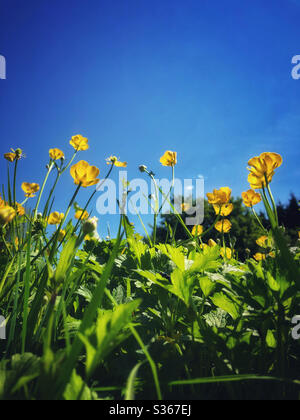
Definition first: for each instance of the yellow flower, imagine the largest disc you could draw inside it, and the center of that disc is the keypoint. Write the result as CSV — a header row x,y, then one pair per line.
x,y
220,197
185,207
61,235
226,251
250,198
169,159
7,214
84,174
2,203
203,247
262,167
20,209
223,225
79,142
113,160
212,243
11,157
226,209
30,189
56,154
197,230
262,241
259,256
55,218
272,254
83,215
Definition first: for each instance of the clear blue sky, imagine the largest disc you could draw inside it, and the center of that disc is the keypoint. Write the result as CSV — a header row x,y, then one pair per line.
x,y
211,80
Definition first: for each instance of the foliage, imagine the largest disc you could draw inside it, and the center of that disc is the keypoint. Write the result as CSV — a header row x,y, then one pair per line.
x,y
89,319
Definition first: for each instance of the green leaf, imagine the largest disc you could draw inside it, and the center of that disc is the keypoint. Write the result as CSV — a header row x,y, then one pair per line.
x,y
224,302
271,340
175,254
131,382
107,333
65,261
78,390
207,285
273,284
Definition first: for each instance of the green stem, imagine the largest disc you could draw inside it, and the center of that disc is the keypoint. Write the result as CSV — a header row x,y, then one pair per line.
x,y
15,180
273,204
268,209
69,164
50,195
42,189
258,220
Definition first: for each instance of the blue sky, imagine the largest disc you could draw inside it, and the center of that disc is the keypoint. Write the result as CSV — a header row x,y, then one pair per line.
x,y
211,80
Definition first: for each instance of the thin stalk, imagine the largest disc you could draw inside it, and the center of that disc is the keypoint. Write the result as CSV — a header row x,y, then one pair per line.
x,y
26,293
15,180
42,189
258,220
273,204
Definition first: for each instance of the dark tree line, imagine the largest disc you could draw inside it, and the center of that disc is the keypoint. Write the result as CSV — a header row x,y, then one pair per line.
x,y
245,229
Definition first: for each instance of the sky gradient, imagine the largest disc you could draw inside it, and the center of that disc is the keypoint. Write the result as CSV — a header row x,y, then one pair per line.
x,y
211,80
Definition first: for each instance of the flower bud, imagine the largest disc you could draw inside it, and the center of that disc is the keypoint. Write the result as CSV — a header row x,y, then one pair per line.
x,y
142,168
89,227
19,153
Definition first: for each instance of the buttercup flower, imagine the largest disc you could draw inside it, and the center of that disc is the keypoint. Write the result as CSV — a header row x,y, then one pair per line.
x,y
212,243
250,198
11,157
20,209
224,225
220,197
169,159
79,142
113,160
259,256
56,154
30,189
7,214
61,235
262,167
80,214
197,230
262,241
84,174
226,251
2,203
55,218
185,207
226,209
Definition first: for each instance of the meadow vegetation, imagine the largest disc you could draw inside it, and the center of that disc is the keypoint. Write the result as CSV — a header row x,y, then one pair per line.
x,y
153,317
